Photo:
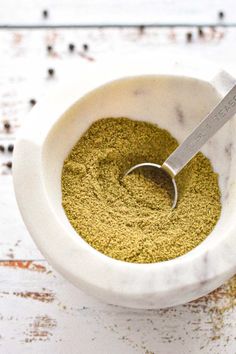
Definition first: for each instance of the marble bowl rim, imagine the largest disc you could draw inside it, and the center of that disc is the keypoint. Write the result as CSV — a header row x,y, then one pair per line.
x,y
27,143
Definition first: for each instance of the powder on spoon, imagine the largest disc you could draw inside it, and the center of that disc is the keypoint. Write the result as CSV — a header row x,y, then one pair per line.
x,y
131,218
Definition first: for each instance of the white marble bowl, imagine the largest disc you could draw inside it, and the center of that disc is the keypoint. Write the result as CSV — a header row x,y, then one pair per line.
x,y
176,103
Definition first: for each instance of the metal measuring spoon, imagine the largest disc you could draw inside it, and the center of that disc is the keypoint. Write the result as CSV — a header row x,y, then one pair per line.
x,y
222,112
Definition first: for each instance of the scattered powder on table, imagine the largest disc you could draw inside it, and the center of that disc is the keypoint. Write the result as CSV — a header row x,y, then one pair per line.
x,y
131,218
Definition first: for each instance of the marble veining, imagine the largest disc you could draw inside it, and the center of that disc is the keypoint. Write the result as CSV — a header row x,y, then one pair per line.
x,y
141,91
228,150
179,114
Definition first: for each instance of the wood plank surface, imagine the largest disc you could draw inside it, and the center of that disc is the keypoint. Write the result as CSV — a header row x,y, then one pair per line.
x,y
40,312
116,11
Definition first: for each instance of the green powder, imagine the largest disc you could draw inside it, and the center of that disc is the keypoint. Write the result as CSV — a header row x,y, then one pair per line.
x,y
131,218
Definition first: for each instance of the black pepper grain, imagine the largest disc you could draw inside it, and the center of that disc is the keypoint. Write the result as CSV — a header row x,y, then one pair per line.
x,y
49,48
51,72
9,164
71,47
85,47
7,126
10,148
221,15
189,37
32,101
141,29
45,13
200,32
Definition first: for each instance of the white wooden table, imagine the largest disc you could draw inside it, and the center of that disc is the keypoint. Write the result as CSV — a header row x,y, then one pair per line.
x,y
40,312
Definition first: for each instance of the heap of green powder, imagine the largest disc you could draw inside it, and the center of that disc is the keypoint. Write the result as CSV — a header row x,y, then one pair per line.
x,y
131,218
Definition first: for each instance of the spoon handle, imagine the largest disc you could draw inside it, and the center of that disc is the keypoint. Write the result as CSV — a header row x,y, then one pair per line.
x,y
202,133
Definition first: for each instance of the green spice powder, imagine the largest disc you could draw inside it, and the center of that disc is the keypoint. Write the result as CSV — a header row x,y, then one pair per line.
x,y
131,218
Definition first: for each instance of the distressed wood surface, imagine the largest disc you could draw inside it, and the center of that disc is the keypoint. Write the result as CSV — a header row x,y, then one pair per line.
x,y
40,312
116,11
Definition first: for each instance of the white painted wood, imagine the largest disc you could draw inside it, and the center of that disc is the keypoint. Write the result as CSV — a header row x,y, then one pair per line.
x,y
68,320
15,241
115,11
41,312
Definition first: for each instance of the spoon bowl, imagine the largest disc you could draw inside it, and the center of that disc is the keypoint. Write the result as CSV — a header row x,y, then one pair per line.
x,y
157,167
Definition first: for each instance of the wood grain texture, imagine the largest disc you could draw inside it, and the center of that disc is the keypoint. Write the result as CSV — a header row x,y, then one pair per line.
x,y
40,312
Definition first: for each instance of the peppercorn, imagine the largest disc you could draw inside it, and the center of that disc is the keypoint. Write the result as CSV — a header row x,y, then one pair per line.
x,y
32,101
2,148
51,72
9,164
71,47
200,32
45,13
141,29
221,15
7,126
85,47
10,148
189,37
49,48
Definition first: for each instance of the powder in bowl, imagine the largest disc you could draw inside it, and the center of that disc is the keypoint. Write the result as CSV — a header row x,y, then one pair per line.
x,y
131,218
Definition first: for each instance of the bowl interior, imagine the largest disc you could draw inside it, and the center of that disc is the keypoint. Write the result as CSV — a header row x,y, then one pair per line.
x,y
174,103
